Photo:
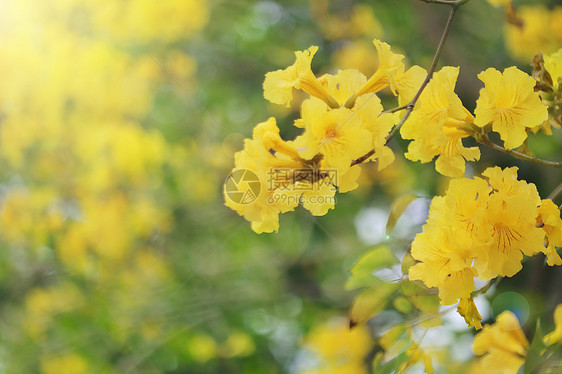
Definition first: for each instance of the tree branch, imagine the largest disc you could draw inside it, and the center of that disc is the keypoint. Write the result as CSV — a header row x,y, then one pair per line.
x,y
518,155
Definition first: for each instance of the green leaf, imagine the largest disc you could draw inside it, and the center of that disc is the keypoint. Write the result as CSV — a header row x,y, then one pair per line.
x,y
402,304
420,296
362,272
370,302
397,209
407,262
392,365
534,359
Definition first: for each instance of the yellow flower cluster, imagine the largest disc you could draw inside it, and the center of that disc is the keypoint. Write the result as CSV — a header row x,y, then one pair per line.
x,y
77,115
540,29
439,121
82,165
342,121
481,228
503,345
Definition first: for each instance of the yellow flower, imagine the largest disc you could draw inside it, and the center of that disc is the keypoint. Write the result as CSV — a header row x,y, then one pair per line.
x,y
549,220
342,85
556,335
553,64
278,85
389,63
509,103
446,263
436,126
406,84
261,200
511,214
337,134
480,228
503,345
468,310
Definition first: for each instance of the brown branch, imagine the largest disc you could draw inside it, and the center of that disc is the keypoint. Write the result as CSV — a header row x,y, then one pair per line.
x,y
518,155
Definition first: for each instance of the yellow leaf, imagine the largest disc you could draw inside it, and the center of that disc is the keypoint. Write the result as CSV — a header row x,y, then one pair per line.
x,y
397,209
370,302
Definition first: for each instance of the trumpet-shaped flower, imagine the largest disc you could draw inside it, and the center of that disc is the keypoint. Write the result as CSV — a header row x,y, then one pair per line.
x,y
553,64
550,222
261,201
436,126
509,103
278,85
389,63
503,345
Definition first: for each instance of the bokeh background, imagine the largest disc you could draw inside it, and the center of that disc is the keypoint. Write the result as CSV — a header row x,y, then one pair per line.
x,y
119,121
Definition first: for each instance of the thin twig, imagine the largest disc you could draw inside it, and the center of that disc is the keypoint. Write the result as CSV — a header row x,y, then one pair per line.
x,y
410,106
555,193
397,109
518,155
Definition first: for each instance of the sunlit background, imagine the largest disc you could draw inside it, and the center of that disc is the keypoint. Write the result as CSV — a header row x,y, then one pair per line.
x,y
119,121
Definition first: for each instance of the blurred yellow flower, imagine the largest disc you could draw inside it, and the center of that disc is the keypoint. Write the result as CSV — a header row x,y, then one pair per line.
x,y
70,363
540,31
503,345
338,348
